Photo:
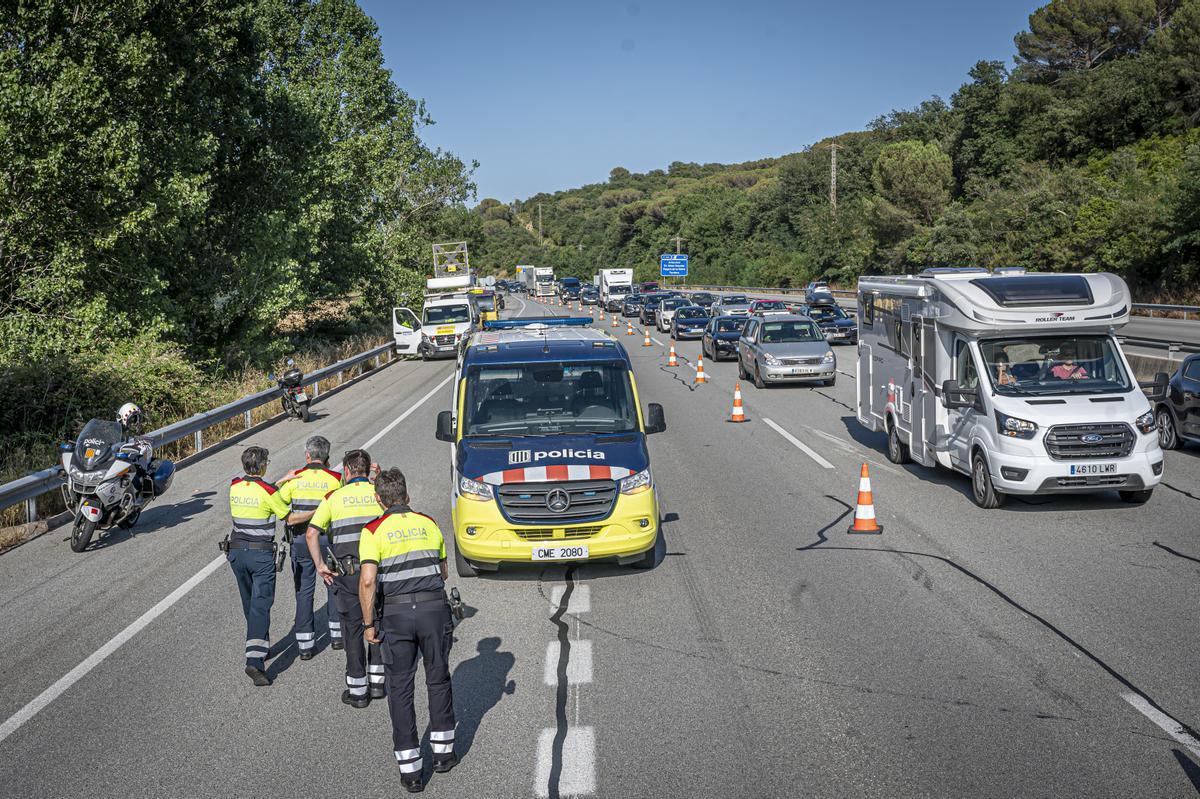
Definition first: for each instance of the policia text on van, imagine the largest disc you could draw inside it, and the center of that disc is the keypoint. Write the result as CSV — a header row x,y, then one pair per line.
x,y
550,459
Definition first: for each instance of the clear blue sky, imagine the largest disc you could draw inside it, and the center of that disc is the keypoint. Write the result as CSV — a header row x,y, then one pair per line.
x,y
552,94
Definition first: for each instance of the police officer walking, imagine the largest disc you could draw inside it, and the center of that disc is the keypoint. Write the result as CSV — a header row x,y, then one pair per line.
x,y
304,489
250,548
341,517
402,556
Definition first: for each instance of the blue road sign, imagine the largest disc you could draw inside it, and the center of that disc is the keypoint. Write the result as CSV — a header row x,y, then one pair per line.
x,y
673,265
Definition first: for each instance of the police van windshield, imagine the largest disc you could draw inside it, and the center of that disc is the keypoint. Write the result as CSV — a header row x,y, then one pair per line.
x,y
1054,365
447,314
546,398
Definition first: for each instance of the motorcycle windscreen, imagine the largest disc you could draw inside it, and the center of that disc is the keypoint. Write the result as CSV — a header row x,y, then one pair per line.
x,y
98,443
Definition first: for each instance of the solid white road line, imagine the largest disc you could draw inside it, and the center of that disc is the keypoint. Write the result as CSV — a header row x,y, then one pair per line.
x,y
800,445
581,598
407,413
1169,725
579,667
79,672
656,341
96,658
578,775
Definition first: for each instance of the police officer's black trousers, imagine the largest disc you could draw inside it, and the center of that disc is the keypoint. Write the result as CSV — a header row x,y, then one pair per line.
x,y
424,628
254,571
360,658
304,577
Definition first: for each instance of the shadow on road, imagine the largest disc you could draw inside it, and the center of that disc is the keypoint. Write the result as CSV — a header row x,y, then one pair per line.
x,y
285,651
1189,768
158,518
479,685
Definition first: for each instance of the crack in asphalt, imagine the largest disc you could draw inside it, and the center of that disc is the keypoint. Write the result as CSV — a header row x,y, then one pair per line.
x,y
560,698
1176,553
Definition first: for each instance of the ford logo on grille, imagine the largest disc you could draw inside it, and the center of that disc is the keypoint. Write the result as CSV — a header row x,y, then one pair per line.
x,y
558,500
1092,438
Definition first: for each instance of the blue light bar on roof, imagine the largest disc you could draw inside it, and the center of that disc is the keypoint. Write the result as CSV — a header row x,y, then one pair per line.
x,y
547,321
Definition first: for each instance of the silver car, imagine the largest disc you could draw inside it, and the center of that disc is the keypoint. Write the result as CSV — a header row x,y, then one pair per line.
x,y
732,305
783,349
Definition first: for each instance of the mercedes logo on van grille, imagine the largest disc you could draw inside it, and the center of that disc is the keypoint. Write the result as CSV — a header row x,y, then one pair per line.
x,y
558,500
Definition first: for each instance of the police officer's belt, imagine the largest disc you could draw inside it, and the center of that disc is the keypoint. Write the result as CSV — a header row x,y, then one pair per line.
x,y
393,604
265,546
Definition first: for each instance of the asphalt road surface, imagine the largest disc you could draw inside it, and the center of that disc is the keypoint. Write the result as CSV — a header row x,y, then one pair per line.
x,y
1048,648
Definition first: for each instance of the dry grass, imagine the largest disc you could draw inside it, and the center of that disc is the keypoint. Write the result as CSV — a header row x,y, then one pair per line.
x,y
248,381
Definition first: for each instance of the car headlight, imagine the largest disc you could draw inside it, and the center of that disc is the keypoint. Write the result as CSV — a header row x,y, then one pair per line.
x,y
1013,427
1146,422
474,489
636,483
828,357
771,359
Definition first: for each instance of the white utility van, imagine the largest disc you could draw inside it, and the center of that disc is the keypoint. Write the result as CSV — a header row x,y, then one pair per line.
x,y
1015,379
448,318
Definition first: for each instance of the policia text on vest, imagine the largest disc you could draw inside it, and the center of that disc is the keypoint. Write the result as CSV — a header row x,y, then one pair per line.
x,y
254,505
404,609
341,517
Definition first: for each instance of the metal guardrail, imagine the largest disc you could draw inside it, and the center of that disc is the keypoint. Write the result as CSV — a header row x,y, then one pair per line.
x,y
1152,307
28,488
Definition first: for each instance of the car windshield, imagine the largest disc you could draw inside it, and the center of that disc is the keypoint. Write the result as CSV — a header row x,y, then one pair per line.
x,y
1054,365
790,332
547,398
730,325
691,313
702,297
770,305
447,314
486,303
734,299
671,303
618,289
826,312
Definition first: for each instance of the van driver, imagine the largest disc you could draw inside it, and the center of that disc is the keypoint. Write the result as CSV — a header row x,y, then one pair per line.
x,y
1066,368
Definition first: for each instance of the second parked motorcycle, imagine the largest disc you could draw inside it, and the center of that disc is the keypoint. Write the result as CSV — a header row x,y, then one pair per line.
x,y
294,400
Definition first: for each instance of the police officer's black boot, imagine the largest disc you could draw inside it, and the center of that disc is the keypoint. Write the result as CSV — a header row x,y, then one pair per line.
x,y
445,764
412,785
337,644
356,701
258,675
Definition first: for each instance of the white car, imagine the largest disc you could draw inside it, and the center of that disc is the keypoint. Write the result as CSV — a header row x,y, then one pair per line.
x,y
665,312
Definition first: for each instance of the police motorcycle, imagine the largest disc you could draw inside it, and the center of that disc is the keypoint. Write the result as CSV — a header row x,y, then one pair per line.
x,y
111,476
294,400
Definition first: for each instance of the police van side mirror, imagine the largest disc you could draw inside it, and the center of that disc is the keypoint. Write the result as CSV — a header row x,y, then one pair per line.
x,y
656,420
445,426
954,396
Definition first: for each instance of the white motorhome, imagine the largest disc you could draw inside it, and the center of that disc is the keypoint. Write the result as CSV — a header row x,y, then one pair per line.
x,y
448,318
615,286
1014,379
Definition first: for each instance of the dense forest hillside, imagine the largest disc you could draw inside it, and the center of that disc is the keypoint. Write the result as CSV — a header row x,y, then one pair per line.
x,y
1083,154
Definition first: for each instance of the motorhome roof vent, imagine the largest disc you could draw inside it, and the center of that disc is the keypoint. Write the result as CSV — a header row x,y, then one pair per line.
x,y
935,271
1009,270
1034,290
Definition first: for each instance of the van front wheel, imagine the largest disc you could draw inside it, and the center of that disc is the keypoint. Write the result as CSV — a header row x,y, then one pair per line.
x,y
982,490
897,450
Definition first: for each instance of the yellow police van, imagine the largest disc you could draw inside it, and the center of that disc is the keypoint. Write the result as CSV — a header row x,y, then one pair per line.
x,y
550,460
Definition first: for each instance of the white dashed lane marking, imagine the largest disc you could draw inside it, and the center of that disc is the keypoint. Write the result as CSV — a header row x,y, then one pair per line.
x,y
579,667
581,598
578,772
800,445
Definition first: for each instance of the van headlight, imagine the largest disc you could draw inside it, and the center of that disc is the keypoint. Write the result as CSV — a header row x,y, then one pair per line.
x,y
636,483
474,489
1146,422
771,359
1013,427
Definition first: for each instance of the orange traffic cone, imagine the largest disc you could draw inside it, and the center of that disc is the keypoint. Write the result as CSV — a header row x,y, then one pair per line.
x,y
646,340
671,359
614,324
700,376
864,514
629,328
601,314
738,414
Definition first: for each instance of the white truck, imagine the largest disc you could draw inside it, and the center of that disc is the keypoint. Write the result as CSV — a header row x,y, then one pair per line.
x,y
615,286
544,281
448,318
1015,379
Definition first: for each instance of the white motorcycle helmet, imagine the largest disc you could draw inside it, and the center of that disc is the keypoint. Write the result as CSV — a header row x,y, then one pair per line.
x,y
130,416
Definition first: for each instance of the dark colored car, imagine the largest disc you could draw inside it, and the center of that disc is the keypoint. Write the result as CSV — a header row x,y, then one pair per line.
x,y
838,326
649,306
689,322
817,292
1178,415
703,299
632,305
721,336
589,295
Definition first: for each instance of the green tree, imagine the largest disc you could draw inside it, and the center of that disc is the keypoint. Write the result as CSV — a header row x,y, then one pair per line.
x,y
1067,35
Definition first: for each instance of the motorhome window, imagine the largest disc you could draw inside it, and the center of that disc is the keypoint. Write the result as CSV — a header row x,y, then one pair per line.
x,y
549,397
447,314
790,332
866,301
1036,290
619,289
1071,364
964,368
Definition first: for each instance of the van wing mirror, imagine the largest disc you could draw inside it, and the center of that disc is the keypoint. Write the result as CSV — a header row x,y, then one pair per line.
x,y
445,426
955,396
656,420
1158,386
